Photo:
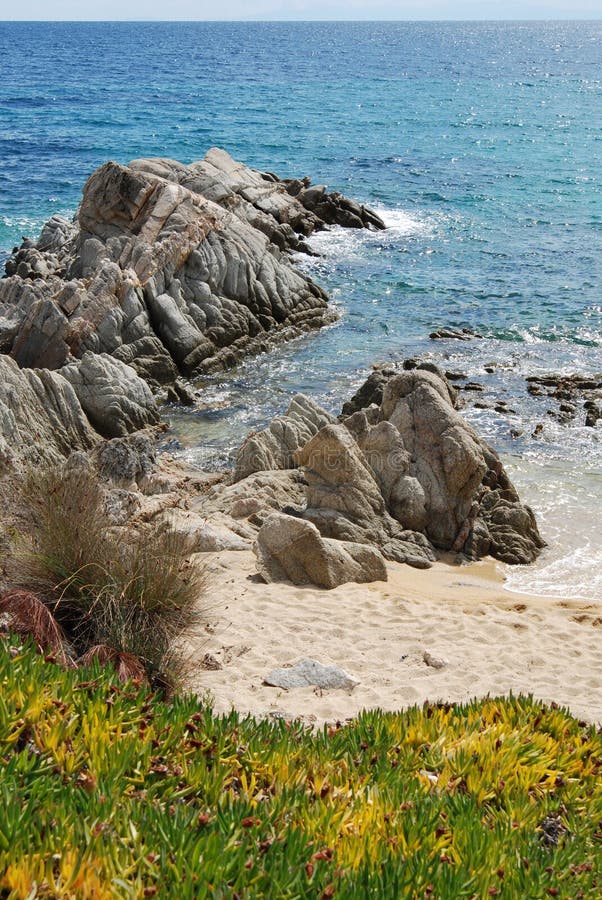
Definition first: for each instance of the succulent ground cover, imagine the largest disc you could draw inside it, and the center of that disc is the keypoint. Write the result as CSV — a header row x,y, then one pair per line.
x,y
107,791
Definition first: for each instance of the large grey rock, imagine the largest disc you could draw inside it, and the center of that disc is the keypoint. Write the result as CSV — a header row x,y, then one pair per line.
x,y
291,549
276,446
41,419
470,503
445,452
309,672
345,501
170,268
115,399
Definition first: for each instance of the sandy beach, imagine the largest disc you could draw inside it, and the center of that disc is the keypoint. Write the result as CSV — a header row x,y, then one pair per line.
x,y
493,641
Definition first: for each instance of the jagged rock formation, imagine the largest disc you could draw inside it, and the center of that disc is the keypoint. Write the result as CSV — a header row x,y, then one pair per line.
x,y
170,269
408,476
457,481
276,446
45,415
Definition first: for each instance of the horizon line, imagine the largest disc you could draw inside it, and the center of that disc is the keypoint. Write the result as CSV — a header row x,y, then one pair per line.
x,y
334,21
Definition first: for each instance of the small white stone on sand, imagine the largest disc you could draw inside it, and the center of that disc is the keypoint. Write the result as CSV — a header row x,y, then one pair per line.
x,y
308,672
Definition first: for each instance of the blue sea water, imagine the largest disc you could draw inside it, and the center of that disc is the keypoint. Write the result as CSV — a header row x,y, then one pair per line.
x,y
479,143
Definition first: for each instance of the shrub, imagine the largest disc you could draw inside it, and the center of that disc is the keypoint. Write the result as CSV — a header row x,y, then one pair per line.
x,y
133,592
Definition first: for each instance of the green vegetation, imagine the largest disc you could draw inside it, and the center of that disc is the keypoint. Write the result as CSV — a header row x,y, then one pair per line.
x,y
107,791
92,590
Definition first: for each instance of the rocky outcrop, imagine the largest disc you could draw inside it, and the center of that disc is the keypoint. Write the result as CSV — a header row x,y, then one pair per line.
x,y
345,502
41,418
291,549
470,505
126,463
408,476
170,269
275,448
46,415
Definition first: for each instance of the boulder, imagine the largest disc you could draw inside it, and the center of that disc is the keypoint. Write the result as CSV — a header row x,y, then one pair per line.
x,y
125,463
458,334
256,496
291,549
275,447
115,399
345,501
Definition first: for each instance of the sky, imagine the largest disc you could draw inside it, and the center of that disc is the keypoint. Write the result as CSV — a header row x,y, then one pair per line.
x,y
298,9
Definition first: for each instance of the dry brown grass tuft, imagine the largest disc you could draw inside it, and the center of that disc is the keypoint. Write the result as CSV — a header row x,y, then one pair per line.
x,y
27,615
127,666
134,592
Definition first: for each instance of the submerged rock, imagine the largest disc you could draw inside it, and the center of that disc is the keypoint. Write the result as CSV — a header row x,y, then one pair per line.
x,y
458,334
579,397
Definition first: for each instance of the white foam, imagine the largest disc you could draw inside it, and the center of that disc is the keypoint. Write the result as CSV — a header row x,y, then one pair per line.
x,y
21,222
349,244
567,503
576,575
402,222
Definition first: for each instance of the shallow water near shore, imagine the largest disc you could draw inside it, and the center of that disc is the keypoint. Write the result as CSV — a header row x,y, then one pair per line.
x,y
478,143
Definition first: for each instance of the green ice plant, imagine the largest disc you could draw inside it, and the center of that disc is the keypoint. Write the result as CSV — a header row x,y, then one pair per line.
x,y
109,791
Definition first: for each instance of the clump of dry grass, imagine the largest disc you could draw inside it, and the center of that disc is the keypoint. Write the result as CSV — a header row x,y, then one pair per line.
x,y
24,613
133,593
126,665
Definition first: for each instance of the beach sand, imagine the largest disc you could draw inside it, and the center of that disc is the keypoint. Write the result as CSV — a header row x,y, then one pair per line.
x,y
493,641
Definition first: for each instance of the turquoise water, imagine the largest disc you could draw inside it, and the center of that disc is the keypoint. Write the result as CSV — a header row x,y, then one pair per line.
x,y
481,146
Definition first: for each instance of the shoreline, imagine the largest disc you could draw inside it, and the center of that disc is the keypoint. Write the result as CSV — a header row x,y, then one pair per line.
x,y
494,641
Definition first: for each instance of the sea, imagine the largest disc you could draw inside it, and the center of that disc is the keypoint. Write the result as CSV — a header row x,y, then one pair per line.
x,y
480,145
